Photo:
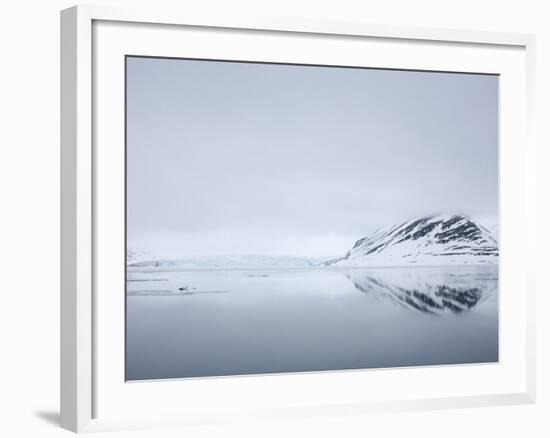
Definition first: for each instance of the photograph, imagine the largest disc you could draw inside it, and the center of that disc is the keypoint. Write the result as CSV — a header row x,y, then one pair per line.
x,y
290,218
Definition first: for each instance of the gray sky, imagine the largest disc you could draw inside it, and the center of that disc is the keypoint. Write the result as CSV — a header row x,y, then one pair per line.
x,y
235,158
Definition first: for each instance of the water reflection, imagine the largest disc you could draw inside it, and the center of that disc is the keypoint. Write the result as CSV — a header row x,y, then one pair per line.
x,y
431,292
217,323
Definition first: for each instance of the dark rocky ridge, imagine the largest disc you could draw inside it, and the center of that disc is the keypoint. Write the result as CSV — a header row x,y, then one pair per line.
x,y
431,236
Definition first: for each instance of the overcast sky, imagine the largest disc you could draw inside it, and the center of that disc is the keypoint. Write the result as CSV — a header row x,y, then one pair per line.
x,y
240,158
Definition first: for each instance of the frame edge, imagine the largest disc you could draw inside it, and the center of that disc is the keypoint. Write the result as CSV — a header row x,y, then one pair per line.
x,y
75,273
531,106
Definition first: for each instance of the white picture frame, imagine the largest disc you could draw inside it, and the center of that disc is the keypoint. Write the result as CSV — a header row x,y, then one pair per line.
x,y
93,35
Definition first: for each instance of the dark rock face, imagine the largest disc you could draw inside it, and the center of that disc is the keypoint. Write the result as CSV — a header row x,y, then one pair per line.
x,y
451,230
433,236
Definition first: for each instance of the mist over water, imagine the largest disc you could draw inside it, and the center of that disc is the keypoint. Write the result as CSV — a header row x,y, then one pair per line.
x,y
213,323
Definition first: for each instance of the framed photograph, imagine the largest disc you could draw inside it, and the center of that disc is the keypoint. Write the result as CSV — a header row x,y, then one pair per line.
x,y
284,218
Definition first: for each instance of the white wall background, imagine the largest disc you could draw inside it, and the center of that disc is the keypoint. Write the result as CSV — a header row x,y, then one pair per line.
x,y
29,218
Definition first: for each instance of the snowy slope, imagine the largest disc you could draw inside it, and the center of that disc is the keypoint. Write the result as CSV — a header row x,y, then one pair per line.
x,y
432,240
140,258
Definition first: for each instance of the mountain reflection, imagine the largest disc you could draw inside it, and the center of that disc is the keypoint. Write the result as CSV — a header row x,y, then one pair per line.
x,y
427,291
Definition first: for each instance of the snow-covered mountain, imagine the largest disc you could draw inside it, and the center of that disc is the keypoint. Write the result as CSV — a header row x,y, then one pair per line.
x,y
432,240
136,258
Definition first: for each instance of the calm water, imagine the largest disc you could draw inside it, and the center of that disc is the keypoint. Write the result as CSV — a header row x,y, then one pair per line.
x,y
269,321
